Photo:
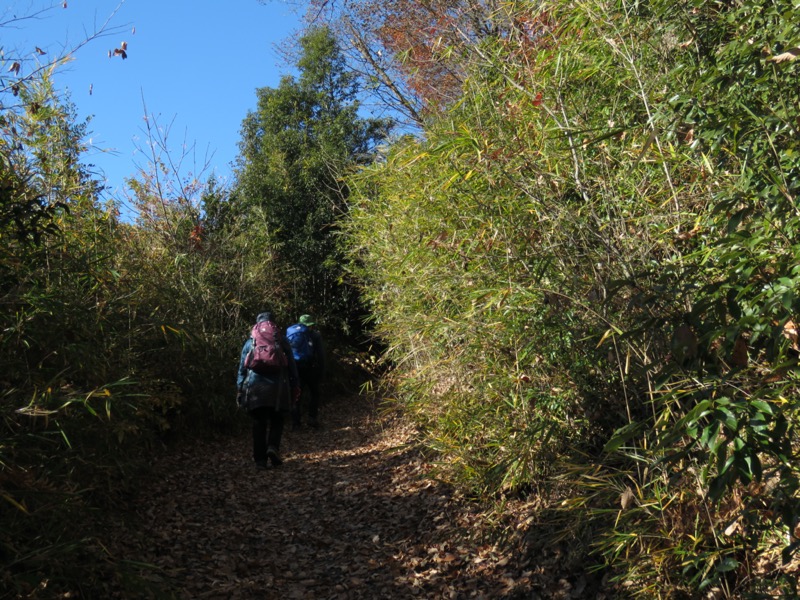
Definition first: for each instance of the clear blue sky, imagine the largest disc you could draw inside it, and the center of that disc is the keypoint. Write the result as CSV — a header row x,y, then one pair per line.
x,y
196,64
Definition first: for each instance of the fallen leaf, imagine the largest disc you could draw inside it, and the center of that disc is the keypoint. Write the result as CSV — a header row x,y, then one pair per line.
x,y
627,498
739,357
366,522
791,333
789,55
732,528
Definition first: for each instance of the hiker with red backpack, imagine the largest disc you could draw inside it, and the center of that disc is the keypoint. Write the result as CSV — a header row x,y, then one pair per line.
x,y
268,387
309,355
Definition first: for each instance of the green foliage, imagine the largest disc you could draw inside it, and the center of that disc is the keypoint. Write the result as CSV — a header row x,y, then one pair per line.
x,y
114,338
502,234
296,146
584,273
117,337
60,378
33,144
594,250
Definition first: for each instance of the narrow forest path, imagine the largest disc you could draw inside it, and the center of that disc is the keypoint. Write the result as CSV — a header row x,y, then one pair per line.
x,y
348,515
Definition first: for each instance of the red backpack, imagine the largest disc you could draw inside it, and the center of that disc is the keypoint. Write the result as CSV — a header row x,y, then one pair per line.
x,y
266,355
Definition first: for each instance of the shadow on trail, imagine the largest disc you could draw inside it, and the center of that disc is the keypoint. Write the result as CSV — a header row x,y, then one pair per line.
x,y
350,515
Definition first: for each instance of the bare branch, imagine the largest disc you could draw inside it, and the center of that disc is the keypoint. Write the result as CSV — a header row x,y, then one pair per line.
x,y
361,45
13,85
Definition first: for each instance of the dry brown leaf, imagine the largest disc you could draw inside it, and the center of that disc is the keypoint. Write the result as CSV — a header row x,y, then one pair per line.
x,y
739,357
627,498
346,516
791,333
787,56
732,528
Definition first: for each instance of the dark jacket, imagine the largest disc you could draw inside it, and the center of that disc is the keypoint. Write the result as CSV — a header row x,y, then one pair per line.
x,y
267,390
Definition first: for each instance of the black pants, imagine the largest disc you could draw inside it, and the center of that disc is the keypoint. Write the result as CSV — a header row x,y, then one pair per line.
x,y
267,431
309,382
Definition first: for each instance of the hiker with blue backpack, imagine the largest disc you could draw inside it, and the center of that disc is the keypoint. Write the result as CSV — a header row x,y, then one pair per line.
x,y
268,386
309,355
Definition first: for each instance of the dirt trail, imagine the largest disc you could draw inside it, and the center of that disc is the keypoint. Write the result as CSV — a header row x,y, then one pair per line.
x,y
348,515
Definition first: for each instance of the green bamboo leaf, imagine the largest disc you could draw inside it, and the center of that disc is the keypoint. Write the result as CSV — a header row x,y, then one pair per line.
x,y
787,299
621,436
727,564
711,438
753,466
700,410
762,406
727,417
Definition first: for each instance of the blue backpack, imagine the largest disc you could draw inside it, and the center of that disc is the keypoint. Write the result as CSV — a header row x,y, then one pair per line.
x,y
299,338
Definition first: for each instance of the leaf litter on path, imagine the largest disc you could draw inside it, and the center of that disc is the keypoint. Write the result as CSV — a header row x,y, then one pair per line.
x,y
350,514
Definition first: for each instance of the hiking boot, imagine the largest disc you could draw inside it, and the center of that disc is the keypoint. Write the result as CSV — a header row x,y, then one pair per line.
x,y
273,455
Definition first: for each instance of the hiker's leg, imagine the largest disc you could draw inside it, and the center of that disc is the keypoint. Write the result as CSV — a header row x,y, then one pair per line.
x,y
313,398
298,408
260,421
296,411
275,428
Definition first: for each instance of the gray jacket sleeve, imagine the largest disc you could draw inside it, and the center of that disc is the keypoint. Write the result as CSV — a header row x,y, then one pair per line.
x,y
242,373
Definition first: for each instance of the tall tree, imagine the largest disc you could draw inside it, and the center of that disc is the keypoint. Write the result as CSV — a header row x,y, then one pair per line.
x,y
414,53
302,137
